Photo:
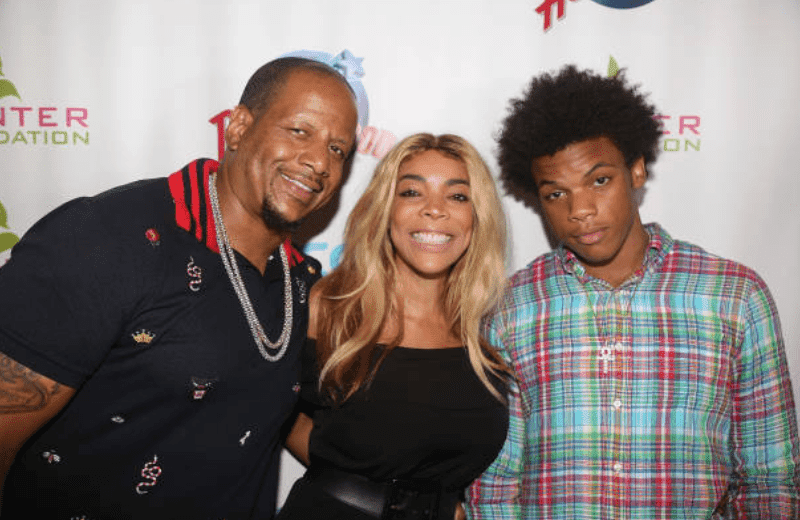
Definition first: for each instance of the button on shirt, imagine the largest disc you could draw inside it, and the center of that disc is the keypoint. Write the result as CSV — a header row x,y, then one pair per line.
x,y
665,398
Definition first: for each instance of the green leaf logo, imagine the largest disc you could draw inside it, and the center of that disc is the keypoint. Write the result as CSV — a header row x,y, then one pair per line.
x,y
3,216
7,240
6,87
613,68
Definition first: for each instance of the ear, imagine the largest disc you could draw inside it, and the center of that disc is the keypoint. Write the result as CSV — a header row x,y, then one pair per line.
x,y
241,119
638,173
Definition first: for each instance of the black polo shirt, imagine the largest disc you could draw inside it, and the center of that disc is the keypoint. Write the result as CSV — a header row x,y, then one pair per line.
x,y
124,297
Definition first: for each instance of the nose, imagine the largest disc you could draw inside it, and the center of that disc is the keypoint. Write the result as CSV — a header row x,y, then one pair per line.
x,y
581,206
435,208
316,157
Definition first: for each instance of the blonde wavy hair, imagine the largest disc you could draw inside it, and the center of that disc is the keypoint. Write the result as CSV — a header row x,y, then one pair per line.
x,y
357,298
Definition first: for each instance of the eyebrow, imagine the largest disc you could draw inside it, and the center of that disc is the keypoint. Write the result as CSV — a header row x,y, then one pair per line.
x,y
340,140
591,170
420,178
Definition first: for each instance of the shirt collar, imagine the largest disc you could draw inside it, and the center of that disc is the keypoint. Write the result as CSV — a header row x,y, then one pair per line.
x,y
659,247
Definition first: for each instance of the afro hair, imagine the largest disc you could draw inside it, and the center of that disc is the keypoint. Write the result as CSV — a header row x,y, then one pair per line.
x,y
573,106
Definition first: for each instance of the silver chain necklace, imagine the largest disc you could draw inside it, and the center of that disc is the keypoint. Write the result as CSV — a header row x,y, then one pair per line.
x,y
232,268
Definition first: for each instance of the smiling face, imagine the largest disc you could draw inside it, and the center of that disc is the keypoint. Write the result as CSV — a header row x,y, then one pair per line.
x,y
288,161
587,195
431,216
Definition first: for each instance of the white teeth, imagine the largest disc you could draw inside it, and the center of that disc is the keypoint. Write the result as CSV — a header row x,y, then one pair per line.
x,y
297,183
431,238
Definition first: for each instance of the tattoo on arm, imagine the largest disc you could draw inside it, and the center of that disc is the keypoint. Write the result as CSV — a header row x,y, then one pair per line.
x,y
22,389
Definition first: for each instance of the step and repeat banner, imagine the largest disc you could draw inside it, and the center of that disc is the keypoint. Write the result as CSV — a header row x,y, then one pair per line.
x,y
96,93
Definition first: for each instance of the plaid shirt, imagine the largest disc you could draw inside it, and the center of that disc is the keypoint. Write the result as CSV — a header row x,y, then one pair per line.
x,y
652,400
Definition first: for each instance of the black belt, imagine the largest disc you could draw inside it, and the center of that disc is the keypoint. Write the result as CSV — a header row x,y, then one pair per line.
x,y
394,499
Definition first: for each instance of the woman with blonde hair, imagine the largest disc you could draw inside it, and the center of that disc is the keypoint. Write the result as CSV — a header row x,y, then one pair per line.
x,y
407,400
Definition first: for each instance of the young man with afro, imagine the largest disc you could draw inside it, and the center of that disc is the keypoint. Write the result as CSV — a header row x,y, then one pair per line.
x,y
652,376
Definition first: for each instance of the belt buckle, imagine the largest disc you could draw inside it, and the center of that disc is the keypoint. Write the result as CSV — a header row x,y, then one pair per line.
x,y
403,503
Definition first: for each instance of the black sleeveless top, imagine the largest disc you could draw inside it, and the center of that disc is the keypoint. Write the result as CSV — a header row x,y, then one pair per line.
x,y
425,415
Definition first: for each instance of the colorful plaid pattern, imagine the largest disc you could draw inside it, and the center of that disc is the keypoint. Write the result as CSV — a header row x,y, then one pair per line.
x,y
650,401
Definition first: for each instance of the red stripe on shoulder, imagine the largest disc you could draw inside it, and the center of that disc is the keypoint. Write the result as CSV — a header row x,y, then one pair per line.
x,y
191,213
182,216
195,202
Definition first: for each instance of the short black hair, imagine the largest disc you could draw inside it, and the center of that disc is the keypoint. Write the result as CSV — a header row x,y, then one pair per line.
x,y
573,106
267,81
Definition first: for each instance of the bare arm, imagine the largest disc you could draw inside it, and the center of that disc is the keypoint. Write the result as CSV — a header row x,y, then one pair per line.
x,y
297,440
27,401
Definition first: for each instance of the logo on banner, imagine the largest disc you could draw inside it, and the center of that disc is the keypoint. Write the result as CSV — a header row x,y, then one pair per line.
x,y
371,140
7,238
684,129
559,7
6,87
22,125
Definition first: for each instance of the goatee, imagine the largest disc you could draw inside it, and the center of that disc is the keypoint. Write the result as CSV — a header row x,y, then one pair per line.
x,y
276,221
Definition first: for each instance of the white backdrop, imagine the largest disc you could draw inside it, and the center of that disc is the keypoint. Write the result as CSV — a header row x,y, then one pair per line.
x,y
96,93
